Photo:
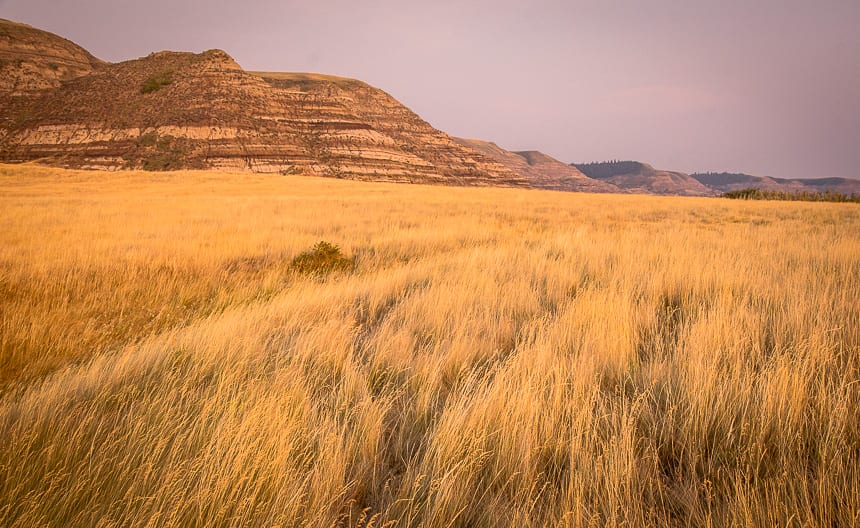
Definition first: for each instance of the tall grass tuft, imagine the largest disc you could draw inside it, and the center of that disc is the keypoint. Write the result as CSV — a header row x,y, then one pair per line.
x,y
324,258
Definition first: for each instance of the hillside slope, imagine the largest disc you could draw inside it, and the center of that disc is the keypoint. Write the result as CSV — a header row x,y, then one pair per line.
x,y
32,61
541,171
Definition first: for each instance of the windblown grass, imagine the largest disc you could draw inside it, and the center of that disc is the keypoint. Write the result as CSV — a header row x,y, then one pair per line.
x,y
496,357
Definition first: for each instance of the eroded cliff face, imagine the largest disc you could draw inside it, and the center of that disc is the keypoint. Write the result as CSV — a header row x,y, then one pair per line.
x,y
174,110
362,132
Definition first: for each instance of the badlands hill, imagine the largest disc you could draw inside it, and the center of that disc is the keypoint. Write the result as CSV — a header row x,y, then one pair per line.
x,y
637,177
173,110
540,170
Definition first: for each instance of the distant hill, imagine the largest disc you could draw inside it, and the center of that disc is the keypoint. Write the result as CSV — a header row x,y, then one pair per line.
x,y
733,181
173,110
842,185
638,177
541,171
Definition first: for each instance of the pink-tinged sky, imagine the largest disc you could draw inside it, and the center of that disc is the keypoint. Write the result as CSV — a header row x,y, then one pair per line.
x,y
768,87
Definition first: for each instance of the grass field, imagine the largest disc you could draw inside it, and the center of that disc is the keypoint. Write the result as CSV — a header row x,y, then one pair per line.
x,y
496,357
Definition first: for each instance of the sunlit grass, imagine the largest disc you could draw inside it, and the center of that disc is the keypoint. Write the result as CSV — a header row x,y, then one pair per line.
x,y
494,357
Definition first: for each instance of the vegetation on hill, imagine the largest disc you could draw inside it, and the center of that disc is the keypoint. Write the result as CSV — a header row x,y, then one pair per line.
x,y
803,196
156,82
606,169
723,178
497,357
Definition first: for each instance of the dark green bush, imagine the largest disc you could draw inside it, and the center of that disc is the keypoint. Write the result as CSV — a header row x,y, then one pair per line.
x,y
156,82
147,140
292,169
164,161
169,153
322,259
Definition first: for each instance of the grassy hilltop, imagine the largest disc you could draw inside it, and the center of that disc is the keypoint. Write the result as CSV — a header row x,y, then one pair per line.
x,y
478,357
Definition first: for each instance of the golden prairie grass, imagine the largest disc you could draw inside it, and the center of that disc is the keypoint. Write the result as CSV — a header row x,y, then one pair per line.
x,y
496,357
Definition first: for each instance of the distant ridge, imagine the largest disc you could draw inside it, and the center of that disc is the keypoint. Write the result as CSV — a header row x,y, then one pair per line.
x,y
735,181
539,170
638,177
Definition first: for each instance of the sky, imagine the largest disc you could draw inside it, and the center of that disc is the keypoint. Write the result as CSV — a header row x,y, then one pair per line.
x,y
767,87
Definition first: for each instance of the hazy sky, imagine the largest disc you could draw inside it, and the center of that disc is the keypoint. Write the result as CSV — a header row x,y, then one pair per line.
x,y
769,87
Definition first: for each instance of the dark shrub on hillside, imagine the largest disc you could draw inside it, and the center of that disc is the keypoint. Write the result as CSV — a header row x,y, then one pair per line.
x,y
156,82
